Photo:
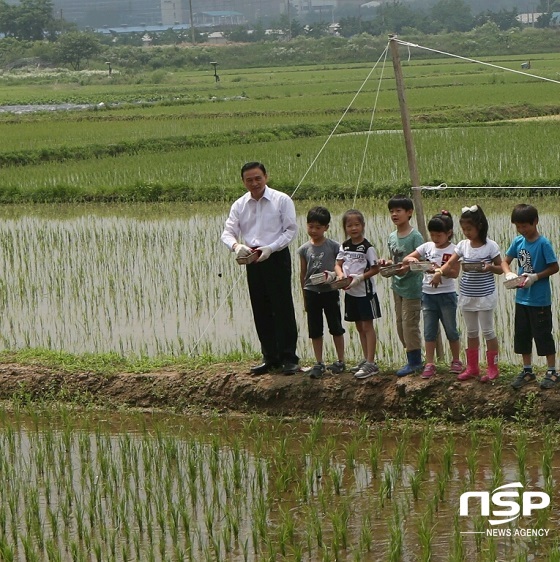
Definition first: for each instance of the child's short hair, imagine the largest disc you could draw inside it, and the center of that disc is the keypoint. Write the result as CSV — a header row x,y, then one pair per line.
x,y
475,215
400,202
442,222
524,213
352,213
320,215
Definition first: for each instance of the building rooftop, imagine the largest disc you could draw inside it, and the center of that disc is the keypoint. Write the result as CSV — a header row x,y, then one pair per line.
x,y
141,28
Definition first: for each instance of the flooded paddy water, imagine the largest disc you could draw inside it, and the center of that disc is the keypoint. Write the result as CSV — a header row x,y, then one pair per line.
x,y
151,279
155,279
143,487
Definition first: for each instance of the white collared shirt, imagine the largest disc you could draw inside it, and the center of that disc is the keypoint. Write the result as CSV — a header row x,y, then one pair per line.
x,y
269,221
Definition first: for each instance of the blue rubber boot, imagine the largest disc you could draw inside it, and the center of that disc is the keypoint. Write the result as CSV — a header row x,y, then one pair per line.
x,y
413,365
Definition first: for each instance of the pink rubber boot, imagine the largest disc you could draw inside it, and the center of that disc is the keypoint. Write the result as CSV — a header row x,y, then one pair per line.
x,y
492,371
472,371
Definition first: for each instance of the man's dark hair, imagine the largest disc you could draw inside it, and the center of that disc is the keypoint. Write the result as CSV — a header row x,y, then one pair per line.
x,y
251,166
524,213
400,202
320,215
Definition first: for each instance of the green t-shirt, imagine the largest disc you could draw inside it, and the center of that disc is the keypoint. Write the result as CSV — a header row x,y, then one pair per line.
x,y
408,286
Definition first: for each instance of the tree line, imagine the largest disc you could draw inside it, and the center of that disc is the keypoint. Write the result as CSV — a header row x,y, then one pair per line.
x,y
31,31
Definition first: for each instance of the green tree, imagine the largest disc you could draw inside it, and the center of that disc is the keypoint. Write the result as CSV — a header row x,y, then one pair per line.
x,y
318,29
393,16
30,20
76,47
504,19
453,15
350,26
239,34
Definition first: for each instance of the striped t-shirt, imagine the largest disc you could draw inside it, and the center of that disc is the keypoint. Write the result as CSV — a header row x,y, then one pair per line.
x,y
475,283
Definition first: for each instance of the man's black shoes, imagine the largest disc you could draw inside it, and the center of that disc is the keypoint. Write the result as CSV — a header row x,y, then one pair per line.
x,y
264,368
290,368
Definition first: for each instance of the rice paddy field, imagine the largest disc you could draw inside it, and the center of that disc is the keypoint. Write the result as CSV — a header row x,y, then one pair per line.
x,y
109,242
155,279
150,487
186,138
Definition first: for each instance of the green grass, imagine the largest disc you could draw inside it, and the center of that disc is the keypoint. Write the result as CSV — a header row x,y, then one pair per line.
x,y
520,154
168,149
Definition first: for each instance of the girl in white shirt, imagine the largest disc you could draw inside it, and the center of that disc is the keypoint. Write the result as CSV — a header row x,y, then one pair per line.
x,y
439,296
478,297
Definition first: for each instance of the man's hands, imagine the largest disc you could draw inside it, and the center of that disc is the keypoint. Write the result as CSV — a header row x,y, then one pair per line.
x,y
510,275
266,252
242,251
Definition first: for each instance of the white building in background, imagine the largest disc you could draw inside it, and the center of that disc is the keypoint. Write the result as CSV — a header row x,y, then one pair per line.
x,y
528,18
172,12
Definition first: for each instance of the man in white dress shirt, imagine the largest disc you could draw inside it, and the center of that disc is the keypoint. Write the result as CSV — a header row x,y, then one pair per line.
x,y
265,220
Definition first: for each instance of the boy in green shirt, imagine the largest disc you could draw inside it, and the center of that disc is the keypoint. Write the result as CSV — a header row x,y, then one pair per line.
x,y
407,285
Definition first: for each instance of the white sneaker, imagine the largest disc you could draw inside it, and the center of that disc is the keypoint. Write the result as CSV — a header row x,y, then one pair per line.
x,y
367,370
358,366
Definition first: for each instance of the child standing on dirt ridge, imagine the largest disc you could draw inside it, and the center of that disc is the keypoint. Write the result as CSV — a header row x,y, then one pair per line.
x,y
477,290
406,284
536,262
357,260
318,255
439,296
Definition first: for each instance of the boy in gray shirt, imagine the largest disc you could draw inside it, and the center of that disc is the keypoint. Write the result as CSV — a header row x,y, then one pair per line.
x,y
317,256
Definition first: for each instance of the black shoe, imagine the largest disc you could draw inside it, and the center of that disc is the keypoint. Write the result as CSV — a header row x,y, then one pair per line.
x,y
317,371
290,368
264,368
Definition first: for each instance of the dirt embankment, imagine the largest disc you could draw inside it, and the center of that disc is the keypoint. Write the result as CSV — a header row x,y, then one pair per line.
x,y
229,387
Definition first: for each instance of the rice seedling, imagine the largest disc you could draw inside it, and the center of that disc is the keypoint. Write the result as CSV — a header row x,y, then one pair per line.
x,y
120,292
457,553
521,453
414,481
497,450
154,517
472,455
447,459
395,536
426,531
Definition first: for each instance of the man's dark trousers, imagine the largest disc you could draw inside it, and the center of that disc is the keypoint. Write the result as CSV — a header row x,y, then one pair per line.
x,y
270,289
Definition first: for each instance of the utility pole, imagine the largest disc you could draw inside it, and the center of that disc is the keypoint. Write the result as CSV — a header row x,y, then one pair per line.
x,y
193,34
411,157
408,140
289,21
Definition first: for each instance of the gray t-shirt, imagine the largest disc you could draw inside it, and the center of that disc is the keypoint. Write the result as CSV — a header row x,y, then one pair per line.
x,y
319,258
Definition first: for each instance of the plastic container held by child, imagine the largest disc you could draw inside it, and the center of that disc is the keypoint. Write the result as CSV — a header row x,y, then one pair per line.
x,y
341,283
323,277
390,270
421,266
477,266
514,283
